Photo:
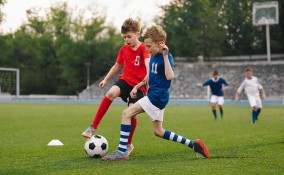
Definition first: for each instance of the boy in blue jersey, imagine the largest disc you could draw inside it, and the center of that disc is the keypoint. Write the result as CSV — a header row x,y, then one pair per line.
x,y
217,85
160,76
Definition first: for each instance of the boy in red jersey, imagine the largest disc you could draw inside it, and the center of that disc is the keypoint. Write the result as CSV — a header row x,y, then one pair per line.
x,y
134,59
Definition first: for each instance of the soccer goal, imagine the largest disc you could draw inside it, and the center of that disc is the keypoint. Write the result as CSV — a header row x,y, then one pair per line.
x,y
10,81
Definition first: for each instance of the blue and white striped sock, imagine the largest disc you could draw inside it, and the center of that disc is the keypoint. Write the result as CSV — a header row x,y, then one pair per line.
x,y
124,134
168,135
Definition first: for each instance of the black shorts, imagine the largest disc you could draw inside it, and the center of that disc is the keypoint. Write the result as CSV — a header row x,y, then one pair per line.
x,y
125,90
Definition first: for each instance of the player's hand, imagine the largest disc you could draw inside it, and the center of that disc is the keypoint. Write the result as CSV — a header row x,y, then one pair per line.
x,y
224,88
263,96
198,84
164,48
133,93
237,98
146,80
102,84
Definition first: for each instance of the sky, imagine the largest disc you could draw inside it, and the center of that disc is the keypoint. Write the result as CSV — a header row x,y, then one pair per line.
x,y
116,11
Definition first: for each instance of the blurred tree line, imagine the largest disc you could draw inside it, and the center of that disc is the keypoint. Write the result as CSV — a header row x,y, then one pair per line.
x,y
52,51
218,28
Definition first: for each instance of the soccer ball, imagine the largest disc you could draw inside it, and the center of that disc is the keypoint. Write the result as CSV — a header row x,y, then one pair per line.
x,y
96,146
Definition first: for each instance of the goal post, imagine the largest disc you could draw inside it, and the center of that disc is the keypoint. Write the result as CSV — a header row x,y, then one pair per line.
x,y
17,71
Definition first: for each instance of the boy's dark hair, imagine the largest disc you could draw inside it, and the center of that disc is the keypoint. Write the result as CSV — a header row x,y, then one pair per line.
x,y
248,69
130,25
215,72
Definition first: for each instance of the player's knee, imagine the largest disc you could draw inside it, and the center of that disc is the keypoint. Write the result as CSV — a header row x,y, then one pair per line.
x,y
111,95
125,114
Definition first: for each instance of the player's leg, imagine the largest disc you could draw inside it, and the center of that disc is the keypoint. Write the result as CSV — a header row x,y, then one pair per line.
x,y
157,116
253,104
213,101
113,92
259,106
220,104
196,145
121,153
254,114
134,120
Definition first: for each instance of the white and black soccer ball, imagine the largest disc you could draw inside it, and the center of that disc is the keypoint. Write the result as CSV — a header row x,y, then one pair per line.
x,y
96,146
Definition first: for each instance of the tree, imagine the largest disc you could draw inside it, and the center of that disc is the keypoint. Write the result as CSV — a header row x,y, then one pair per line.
x,y
2,2
51,51
193,28
242,38
217,28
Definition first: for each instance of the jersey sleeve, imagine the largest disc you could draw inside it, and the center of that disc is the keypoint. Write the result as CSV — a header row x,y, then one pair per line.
x,y
259,86
145,53
241,88
225,82
120,56
206,83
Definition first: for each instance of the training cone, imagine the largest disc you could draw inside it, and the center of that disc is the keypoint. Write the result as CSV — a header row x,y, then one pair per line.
x,y
55,142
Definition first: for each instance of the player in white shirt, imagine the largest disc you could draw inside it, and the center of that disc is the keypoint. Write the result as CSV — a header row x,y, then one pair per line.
x,y
254,91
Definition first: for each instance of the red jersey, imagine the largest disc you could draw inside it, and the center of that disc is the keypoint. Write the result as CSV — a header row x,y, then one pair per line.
x,y
133,61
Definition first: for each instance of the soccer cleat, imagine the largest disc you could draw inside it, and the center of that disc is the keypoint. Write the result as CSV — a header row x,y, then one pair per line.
x,y
89,132
116,156
130,148
199,147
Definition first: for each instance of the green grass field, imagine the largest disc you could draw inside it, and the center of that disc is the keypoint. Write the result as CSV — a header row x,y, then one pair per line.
x,y
236,147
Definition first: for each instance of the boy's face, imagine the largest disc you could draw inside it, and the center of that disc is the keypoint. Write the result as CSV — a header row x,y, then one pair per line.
x,y
151,47
248,74
215,76
131,38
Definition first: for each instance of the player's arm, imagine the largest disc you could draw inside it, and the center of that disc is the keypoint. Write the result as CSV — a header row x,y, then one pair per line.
x,y
199,85
114,69
203,84
147,61
226,85
133,92
261,91
240,89
168,69
238,94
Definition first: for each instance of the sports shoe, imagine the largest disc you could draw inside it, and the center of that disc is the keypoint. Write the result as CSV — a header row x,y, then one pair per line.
x,y
130,148
199,147
116,156
89,132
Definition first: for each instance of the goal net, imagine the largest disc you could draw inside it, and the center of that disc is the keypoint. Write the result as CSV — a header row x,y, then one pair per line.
x,y
9,81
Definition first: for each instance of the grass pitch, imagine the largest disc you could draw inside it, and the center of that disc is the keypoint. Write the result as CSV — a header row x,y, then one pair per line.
x,y
236,147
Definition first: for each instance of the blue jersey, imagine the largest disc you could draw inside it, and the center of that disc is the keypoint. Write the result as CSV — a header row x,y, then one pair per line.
x,y
216,86
159,86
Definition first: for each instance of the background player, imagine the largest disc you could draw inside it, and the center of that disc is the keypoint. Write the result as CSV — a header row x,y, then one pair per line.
x,y
253,90
134,59
217,85
160,76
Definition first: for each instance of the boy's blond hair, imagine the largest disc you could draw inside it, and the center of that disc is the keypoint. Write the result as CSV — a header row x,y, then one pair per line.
x,y
130,25
156,33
